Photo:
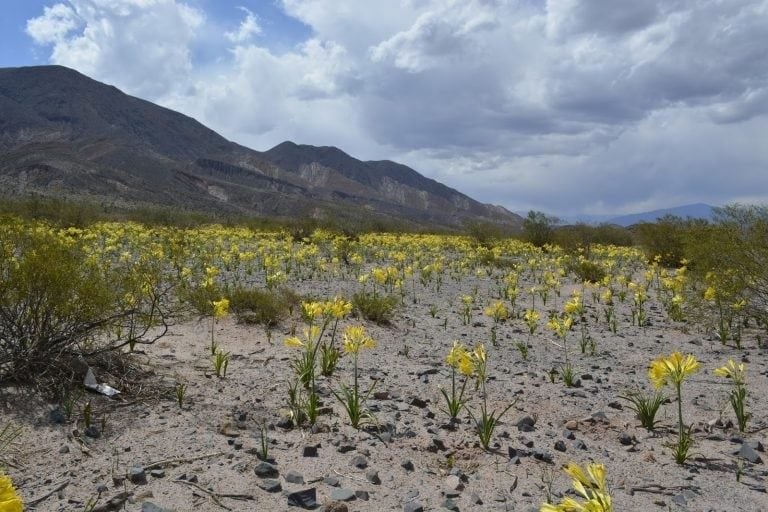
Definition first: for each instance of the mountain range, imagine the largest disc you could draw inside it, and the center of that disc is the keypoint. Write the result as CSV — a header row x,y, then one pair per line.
x,y
693,211
63,134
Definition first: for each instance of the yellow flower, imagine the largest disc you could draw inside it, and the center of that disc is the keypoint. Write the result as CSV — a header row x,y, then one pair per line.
x,y
674,369
734,371
590,485
312,310
710,294
460,359
220,308
356,338
293,341
498,311
9,500
337,309
574,305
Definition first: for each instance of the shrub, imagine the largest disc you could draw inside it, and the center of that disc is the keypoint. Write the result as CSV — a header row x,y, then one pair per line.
x,y
59,301
376,308
586,270
262,306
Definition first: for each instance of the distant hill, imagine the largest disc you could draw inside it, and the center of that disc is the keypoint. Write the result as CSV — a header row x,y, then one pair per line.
x,y
63,134
693,211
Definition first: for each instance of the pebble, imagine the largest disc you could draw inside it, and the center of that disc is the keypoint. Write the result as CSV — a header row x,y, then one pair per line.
x,y
336,506
413,506
266,470
310,451
294,477
269,485
449,504
362,495
560,445
373,476
526,424
359,462
342,494
137,475
306,499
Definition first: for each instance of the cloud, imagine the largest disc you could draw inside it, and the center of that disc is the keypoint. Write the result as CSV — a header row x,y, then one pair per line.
x,y
248,28
141,45
565,106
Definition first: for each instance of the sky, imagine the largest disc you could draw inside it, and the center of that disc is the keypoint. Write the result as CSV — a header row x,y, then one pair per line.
x,y
572,107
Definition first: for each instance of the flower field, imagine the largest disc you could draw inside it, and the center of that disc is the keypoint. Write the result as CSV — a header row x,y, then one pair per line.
x,y
382,371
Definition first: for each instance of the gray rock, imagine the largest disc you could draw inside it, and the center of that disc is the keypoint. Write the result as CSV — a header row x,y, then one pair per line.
x,y
407,465
542,455
269,485
474,499
342,494
560,445
449,504
413,506
362,495
137,475
625,439
359,462
64,449
294,477
306,499
92,432
526,424
57,416
331,480
266,470
373,476
336,506
310,451
148,506
157,473
749,454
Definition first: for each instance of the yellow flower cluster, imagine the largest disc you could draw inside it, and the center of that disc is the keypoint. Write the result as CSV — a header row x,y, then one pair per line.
x,y
356,338
673,369
220,308
734,371
590,485
498,311
9,499
461,359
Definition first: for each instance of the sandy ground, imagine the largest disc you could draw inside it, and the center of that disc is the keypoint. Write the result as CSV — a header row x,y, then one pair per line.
x,y
203,456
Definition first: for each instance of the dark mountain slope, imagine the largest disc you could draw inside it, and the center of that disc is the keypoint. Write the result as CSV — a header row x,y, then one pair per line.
x,y
64,134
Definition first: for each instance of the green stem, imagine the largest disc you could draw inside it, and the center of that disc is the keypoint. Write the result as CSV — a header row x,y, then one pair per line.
x,y
679,411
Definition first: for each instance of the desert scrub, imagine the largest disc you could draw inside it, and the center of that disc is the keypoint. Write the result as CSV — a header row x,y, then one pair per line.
x,y
376,308
90,301
673,370
267,307
590,485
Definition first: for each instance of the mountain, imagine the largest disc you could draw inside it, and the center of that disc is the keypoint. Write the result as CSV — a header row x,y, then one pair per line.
x,y
693,211
66,135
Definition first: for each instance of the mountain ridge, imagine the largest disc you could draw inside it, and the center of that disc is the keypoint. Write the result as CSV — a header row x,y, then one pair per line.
x,y
65,134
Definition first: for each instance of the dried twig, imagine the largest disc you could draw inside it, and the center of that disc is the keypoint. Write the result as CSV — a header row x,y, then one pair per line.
x,y
215,497
62,485
170,462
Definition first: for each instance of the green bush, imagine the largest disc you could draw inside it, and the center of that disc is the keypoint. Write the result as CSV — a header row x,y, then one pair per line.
x,y
586,270
262,306
376,308
58,303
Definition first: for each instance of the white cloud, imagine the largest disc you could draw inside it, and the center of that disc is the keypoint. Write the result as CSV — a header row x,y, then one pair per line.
x,y
140,45
248,28
563,105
